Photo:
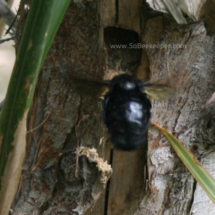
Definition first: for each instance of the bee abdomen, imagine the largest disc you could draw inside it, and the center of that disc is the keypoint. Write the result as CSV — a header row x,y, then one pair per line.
x,y
127,119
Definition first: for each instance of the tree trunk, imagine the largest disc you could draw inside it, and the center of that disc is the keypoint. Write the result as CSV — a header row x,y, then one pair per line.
x,y
62,174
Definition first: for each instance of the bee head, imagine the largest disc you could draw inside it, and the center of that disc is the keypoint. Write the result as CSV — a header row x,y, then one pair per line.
x,y
124,82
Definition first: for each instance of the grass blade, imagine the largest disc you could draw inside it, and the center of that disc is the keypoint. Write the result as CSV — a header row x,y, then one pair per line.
x,y
202,176
41,26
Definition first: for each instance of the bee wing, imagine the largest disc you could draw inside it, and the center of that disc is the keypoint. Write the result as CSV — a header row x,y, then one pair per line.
x,y
158,90
90,87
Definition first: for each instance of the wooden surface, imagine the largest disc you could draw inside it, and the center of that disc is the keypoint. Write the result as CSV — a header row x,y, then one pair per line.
x,y
66,121
127,182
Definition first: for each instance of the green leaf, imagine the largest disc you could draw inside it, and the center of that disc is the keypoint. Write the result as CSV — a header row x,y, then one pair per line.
x,y
41,26
202,176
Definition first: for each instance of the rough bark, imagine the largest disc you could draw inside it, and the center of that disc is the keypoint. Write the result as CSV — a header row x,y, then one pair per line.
x,y
172,189
67,120
49,184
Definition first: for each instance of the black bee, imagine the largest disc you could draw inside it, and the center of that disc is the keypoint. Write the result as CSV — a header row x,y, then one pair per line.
x,y
127,110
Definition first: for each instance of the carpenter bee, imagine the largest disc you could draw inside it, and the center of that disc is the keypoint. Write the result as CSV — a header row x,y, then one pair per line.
x,y
126,108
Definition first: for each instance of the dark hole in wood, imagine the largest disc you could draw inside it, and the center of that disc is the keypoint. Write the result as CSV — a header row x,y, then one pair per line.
x,y
122,49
